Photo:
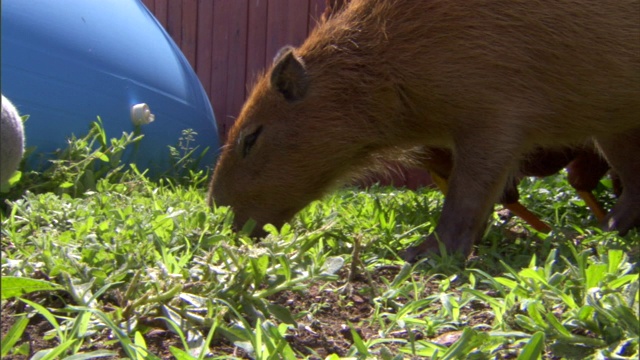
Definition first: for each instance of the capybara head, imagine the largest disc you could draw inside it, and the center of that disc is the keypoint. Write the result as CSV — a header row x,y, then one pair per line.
x,y
285,150
264,161
275,160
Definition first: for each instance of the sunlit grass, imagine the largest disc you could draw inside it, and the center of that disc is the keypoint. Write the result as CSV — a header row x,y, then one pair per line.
x,y
123,254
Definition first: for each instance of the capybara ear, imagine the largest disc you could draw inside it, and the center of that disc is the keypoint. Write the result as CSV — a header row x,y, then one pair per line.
x,y
289,75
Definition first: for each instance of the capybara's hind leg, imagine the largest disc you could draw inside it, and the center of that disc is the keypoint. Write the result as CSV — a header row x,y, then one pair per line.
x,y
623,154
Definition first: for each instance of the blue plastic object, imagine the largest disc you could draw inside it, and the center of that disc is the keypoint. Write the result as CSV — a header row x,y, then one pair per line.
x,y
66,62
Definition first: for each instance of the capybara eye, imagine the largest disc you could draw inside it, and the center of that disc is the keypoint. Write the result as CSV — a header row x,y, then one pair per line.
x,y
250,140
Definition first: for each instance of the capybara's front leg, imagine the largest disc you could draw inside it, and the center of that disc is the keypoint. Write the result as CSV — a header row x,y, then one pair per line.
x,y
478,178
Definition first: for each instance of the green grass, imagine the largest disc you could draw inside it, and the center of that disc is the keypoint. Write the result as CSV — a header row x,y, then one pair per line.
x,y
111,259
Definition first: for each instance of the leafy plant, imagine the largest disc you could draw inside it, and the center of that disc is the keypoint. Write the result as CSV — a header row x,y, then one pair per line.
x,y
78,167
127,257
185,160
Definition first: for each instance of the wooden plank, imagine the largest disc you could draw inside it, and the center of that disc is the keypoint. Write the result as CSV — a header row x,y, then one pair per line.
x,y
204,46
189,30
228,60
256,43
150,4
161,11
276,28
174,21
237,48
285,25
219,76
316,8
299,21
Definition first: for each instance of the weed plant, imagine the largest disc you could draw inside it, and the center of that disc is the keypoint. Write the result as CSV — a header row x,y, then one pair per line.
x,y
109,258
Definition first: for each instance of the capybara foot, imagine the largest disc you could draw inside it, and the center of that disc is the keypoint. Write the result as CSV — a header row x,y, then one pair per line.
x,y
431,246
624,216
415,253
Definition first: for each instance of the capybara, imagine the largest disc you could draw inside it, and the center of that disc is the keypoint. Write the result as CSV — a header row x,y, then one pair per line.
x,y
490,80
11,140
584,165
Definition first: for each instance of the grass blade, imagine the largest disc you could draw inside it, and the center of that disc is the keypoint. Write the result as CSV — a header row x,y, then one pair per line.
x,y
282,313
54,353
92,355
180,354
47,315
124,340
357,341
13,335
467,342
534,348
557,325
141,346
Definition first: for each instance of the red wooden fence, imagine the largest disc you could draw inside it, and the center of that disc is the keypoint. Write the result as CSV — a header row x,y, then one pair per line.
x,y
229,42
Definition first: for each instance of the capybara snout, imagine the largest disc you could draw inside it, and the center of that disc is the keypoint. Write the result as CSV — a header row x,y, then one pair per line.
x,y
255,153
488,80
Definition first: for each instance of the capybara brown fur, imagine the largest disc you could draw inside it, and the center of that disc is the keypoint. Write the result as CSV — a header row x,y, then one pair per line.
x,y
490,80
585,167
584,164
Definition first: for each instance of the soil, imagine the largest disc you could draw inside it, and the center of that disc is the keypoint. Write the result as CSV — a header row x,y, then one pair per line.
x,y
323,311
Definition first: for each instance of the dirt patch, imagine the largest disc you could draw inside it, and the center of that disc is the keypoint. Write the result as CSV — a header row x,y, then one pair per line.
x,y
330,313
324,313
33,334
